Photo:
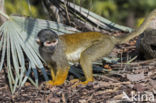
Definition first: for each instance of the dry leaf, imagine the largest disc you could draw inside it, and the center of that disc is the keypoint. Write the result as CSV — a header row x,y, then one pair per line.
x,y
136,77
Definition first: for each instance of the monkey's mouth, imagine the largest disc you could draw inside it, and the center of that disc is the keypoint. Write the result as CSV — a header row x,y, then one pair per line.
x,y
49,49
153,47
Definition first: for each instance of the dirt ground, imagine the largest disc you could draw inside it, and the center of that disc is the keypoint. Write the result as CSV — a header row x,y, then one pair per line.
x,y
131,82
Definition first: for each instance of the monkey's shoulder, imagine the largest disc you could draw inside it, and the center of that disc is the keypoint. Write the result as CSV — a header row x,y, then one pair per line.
x,y
76,43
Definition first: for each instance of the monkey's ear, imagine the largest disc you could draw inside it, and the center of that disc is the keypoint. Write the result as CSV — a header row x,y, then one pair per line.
x,y
38,41
50,43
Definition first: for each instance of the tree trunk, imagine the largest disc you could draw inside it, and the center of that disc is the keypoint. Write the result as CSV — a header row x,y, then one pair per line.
x,y
2,18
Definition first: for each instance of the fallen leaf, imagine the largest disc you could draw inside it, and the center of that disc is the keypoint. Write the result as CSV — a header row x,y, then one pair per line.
x,y
136,77
107,67
153,83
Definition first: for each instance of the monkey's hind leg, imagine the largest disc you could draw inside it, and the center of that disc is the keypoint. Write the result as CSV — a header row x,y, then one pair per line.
x,y
100,49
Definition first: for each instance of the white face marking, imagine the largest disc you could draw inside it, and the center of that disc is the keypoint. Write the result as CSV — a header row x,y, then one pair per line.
x,y
75,56
48,43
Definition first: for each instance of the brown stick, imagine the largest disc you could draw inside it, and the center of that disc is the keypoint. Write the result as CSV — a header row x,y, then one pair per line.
x,y
2,9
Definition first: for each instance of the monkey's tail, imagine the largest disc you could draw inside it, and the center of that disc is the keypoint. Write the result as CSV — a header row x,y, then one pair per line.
x,y
137,32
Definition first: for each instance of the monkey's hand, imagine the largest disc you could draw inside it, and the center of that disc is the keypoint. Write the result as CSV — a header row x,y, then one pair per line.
x,y
51,83
59,78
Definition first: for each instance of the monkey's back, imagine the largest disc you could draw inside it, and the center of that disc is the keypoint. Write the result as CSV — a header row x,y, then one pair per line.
x,y
79,42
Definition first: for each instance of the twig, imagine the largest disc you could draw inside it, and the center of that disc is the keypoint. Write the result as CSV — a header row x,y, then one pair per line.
x,y
136,63
5,15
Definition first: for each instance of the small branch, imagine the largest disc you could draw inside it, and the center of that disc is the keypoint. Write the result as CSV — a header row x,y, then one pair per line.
x,y
3,16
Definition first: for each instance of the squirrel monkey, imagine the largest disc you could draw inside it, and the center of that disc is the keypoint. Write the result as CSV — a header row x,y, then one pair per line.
x,y
83,47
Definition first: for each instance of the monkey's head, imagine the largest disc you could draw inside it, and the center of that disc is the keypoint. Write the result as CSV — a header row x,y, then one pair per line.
x,y
47,40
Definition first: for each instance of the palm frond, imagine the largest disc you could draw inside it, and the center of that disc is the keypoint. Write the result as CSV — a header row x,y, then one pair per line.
x,y
81,17
97,19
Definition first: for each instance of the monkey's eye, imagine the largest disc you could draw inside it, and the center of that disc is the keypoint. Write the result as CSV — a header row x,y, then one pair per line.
x,y
50,43
54,41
